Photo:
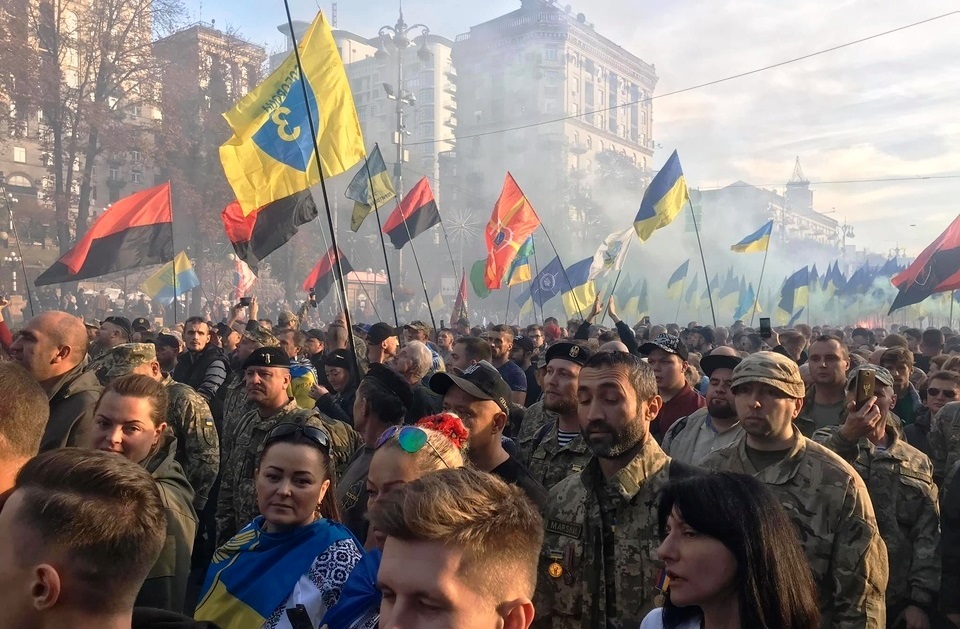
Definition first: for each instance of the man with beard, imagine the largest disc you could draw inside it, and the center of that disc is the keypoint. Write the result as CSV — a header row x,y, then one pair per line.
x,y
557,450
597,566
825,402
825,498
501,344
694,437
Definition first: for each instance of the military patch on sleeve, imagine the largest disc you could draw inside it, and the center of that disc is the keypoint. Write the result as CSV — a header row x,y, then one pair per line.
x,y
567,529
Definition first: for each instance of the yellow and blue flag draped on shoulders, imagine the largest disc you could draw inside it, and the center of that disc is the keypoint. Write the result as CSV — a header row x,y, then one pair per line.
x,y
580,292
271,154
364,199
520,267
757,241
254,573
676,281
663,199
173,279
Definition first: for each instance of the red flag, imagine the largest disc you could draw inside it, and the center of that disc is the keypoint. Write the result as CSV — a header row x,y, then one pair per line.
x,y
418,210
258,234
135,231
322,277
936,270
460,305
512,222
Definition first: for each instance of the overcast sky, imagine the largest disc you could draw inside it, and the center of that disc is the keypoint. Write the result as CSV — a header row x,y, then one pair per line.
x,y
882,109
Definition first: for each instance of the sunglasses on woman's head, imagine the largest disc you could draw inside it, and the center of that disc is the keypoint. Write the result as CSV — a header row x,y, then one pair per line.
x,y
310,433
411,440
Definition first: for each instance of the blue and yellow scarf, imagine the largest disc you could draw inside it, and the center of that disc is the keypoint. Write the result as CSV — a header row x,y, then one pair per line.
x,y
253,574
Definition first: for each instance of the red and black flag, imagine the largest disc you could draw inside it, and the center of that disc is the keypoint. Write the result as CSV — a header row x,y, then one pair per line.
x,y
420,211
135,231
260,233
936,270
323,277
460,305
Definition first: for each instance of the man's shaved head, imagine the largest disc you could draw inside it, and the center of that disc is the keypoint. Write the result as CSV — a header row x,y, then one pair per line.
x,y
50,344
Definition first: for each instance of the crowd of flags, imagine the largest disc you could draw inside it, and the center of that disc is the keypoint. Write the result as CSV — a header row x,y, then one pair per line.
x,y
301,124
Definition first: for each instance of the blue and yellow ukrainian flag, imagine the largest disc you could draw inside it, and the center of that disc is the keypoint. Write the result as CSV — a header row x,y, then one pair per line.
x,y
793,295
663,199
729,295
365,199
271,153
173,279
757,241
643,303
676,281
520,267
692,295
581,291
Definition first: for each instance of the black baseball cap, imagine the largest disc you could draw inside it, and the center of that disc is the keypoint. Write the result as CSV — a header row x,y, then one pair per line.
x,y
380,332
167,340
524,343
711,363
121,322
393,381
481,380
668,343
268,357
141,324
316,334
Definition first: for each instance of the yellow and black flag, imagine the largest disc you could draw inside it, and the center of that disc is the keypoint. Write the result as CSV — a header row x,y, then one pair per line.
x,y
364,200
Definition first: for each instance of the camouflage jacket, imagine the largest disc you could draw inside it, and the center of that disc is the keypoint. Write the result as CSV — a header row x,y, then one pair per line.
x,y
549,462
831,508
572,590
944,440
237,501
900,482
235,407
198,445
534,418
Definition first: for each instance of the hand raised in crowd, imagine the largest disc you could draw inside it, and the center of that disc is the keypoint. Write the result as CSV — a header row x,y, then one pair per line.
x,y
318,391
254,309
597,309
860,423
612,310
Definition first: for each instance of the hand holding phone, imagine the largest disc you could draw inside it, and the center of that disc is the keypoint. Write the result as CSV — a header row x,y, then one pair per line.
x,y
765,330
244,302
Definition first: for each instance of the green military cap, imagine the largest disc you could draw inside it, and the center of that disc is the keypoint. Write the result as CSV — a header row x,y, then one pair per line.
x,y
773,369
287,319
123,359
258,334
883,375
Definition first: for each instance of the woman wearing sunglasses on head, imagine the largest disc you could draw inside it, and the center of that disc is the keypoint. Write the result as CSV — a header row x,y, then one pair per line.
x,y
288,566
129,420
402,455
731,559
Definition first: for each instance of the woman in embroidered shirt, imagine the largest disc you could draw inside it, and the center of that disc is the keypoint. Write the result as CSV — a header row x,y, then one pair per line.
x,y
294,558
402,455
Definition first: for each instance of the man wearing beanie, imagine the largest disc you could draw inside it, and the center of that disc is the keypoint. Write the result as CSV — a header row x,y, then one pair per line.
x,y
824,497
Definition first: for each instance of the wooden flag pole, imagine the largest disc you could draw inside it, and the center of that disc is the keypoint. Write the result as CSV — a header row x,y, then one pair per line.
x,y
713,312
338,267
383,244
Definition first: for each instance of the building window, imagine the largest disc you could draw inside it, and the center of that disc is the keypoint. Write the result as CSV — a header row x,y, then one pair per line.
x,y
136,156
114,173
551,54
20,155
136,110
136,176
551,76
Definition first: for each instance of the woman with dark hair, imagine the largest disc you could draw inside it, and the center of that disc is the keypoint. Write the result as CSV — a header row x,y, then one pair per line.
x,y
288,566
129,419
732,559
341,372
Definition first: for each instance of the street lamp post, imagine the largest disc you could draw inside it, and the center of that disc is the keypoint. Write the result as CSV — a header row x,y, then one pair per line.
x,y
398,36
9,200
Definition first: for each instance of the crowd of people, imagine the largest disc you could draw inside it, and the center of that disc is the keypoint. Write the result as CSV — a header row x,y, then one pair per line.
x,y
253,472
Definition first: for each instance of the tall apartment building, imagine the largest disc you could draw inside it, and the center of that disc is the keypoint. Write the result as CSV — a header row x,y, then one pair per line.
x,y
521,71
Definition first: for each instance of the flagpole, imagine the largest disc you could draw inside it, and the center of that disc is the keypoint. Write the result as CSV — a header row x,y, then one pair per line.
x,y
506,315
763,267
338,268
446,239
336,252
416,259
563,268
383,244
713,312
680,301
536,266
616,280
370,299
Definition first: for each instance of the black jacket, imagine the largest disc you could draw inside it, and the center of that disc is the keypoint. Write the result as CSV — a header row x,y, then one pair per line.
x,y
192,369
149,618
950,547
166,585
71,408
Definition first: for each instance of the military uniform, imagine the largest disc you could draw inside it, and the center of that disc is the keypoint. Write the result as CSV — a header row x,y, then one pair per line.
x,y
550,463
198,445
235,406
944,439
829,504
237,502
900,482
534,419
598,565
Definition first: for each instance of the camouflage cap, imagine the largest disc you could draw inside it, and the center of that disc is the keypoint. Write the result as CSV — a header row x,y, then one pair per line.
x,y
286,318
773,369
123,359
262,336
883,375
